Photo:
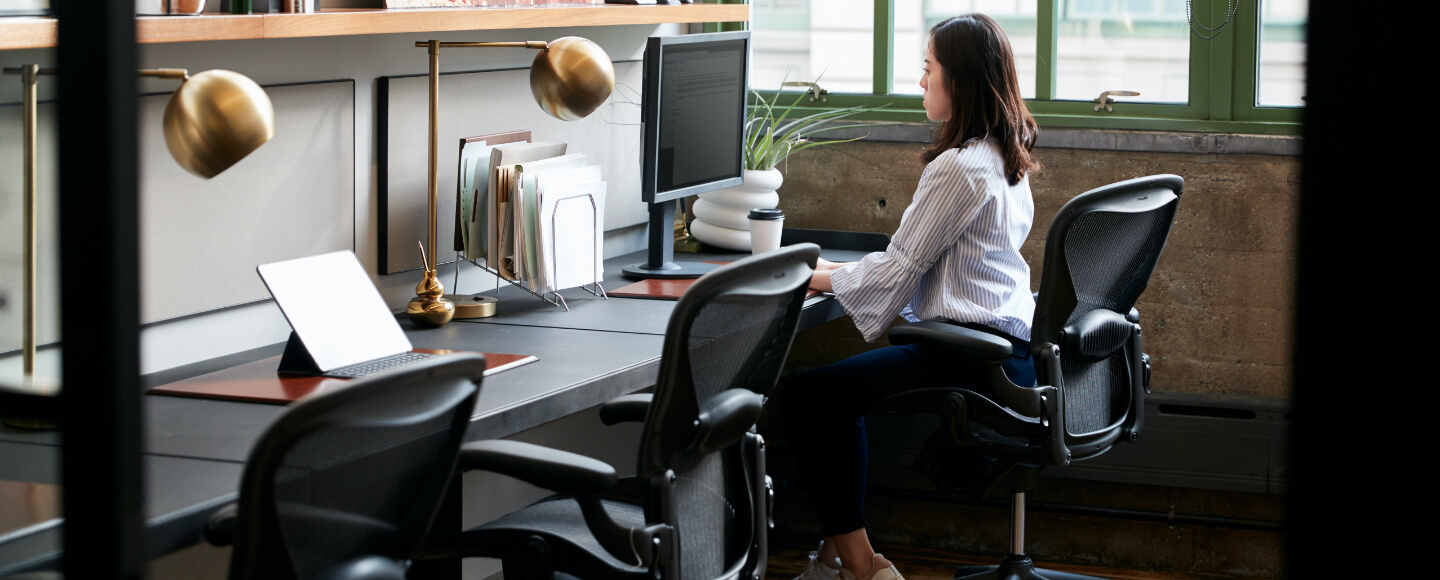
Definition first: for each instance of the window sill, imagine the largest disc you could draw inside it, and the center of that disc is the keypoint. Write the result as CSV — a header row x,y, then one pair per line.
x,y
1107,139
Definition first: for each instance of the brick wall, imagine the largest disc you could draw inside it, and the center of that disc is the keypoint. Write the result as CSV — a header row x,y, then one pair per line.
x,y
1218,312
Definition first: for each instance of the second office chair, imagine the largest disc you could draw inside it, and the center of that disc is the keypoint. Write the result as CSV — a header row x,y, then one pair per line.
x,y
698,507
345,483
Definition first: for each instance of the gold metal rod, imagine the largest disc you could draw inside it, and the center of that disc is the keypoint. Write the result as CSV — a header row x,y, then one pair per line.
x,y
164,73
432,179
535,44
434,137
20,70
28,79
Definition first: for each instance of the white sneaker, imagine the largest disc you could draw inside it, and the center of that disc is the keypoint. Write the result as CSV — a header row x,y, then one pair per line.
x,y
880,569
819,570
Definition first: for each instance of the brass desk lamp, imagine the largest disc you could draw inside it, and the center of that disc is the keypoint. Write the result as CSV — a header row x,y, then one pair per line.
x,y
570,78
213,120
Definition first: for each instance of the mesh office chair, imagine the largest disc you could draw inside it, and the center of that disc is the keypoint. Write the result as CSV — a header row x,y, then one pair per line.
x,y
1086,344
698,506
344,485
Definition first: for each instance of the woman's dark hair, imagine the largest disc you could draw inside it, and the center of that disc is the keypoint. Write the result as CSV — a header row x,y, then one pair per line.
x,y
984,93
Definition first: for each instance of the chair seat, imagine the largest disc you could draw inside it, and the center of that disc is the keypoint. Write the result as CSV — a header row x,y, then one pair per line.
x,y
558,520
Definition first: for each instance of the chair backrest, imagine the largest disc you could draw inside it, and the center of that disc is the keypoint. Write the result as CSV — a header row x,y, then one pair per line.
x,y
1099,254
358,471
729,334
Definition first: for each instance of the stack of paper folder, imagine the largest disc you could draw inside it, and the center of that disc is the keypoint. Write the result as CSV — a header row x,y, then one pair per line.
x,y
532,212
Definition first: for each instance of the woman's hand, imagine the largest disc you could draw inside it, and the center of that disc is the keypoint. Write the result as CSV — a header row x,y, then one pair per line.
x,y
823,265
820,280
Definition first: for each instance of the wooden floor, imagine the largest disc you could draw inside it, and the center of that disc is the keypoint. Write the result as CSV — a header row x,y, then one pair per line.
x,y
927,564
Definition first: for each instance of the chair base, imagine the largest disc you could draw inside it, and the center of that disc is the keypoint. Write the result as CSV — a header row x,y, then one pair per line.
x,y
1014,568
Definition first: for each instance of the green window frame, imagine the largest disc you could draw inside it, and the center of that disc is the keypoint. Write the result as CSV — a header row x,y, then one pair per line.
x,y
1223,85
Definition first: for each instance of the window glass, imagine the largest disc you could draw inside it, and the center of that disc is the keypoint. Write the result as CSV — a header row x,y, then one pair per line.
x,y
1281,69
1125,45
913,19
802,40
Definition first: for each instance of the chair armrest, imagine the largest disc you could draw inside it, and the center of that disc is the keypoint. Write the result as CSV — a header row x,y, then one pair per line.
x,y
957,339
625,409
727,417
220,528
552,469
1096,335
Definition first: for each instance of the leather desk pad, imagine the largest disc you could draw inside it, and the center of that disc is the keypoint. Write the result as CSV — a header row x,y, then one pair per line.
x,y
257,382
667,289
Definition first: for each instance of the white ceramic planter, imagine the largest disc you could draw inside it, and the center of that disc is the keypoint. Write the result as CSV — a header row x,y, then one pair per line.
x,y
720,216
721,237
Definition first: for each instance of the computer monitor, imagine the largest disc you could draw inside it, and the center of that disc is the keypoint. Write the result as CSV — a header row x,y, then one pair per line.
x,y
693,130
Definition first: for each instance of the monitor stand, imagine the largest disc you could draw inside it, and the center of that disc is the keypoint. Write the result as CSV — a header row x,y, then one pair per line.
x,y
661,255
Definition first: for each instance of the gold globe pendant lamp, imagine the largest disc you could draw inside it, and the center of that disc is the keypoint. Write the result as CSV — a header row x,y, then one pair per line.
x,y
213,120
570,78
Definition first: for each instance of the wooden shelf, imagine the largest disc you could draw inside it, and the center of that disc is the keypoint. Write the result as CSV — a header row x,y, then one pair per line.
x,y
31,32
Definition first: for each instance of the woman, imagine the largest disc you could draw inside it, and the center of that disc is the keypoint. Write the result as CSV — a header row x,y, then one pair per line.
x,y
956,257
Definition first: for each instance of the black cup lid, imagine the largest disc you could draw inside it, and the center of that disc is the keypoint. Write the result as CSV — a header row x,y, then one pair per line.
x,y
766,214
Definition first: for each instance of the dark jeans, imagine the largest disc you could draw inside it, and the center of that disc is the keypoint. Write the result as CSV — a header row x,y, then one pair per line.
x,y
824,414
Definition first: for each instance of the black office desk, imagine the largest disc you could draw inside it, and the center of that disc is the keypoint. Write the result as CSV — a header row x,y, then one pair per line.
x,y
181,495
196,448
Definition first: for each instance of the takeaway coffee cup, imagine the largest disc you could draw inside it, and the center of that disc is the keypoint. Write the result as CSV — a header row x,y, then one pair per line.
x,y
765,226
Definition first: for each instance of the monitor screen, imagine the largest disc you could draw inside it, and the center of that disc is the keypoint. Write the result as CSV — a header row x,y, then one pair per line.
x,y
695,90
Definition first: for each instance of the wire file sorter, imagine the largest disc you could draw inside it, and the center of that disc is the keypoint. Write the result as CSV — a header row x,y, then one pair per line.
x,y
542,211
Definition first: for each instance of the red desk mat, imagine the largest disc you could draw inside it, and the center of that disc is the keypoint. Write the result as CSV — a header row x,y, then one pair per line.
x,y
257,382
667,289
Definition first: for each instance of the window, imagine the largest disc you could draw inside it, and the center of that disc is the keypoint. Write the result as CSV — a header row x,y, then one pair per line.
x,y
796,44
913,19
1282,52
1199,65
1128,45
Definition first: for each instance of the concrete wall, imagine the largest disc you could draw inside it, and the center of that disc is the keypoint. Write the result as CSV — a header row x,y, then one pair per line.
x,y
1218,311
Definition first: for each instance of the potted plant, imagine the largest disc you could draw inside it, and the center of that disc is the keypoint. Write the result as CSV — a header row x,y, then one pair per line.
x,y
771,135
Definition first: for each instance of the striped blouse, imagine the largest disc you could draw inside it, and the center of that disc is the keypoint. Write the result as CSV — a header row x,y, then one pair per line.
x,y
956,255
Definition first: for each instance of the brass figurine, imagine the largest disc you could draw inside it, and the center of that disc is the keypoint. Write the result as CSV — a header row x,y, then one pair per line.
x,y
427,308
683,241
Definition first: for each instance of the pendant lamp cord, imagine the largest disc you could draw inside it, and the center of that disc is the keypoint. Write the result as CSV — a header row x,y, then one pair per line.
x,y
1231,7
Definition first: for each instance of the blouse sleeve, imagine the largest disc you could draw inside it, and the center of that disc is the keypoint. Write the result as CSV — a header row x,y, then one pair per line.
x,y
875,289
